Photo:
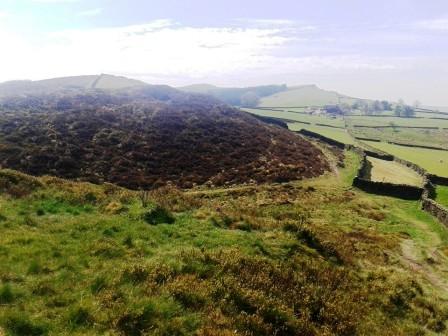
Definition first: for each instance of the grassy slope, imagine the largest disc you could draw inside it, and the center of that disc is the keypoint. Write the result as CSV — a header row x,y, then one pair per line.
x,y
436,162
339,122
307,95
393,172
80,259
442,195
404,135
386,121
333,133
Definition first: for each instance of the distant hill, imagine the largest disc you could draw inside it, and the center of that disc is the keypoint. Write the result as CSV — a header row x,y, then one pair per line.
x,y
102,81
248,97
272,95
306,95
147,136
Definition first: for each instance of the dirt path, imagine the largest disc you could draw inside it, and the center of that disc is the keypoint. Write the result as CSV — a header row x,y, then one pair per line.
x,y
426,259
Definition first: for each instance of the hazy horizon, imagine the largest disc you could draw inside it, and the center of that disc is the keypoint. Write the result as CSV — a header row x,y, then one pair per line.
x,y
382,50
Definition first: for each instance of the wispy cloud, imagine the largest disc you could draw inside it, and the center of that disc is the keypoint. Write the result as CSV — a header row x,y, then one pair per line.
x,y
91,12
167,51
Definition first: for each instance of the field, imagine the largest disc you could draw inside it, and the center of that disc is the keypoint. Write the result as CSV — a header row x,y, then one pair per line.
x,y
431,115
389,121
442,195
393,172
434,161
427,137
80,259
308,118
334,133
307,95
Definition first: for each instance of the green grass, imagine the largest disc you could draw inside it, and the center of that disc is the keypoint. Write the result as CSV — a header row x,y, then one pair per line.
x,y
393,172
334,133
429,137
338,122
442,195
434,161
307,95
386,121
431,115
79,259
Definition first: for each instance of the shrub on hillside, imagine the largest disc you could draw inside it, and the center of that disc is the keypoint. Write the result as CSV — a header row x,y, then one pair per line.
x,y
158,215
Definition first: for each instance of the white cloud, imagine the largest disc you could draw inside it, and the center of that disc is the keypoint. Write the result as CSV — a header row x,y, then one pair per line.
x,y
440,24
167,51
91,12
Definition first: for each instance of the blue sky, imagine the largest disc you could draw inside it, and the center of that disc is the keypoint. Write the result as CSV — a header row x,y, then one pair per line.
x,y
377,49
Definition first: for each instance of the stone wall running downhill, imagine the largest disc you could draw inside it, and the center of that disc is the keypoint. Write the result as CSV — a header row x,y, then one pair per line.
x,y
389,189
363,179
367,139
329,141
274,121
439,180
381,156
435,209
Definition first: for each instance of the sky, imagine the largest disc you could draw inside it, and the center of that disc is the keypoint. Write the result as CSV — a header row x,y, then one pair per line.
x,y
383,49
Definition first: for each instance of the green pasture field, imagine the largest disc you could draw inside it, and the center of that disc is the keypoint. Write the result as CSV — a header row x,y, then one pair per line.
x,y
434,161
393,172
387,121
334,133
338,122
442,195
431,115
424,137
307,95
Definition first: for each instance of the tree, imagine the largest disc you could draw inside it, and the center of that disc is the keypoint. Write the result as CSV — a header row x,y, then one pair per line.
x,y
398,110
408,111
377,106
403,110
250,99
386,106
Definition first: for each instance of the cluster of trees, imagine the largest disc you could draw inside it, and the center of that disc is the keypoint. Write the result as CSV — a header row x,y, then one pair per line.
x,y
403,110
400,109
371,107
